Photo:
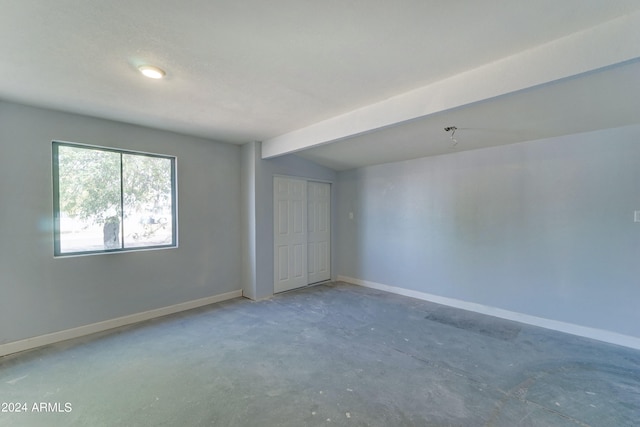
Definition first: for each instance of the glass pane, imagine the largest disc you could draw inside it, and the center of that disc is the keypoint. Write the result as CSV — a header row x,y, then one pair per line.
x,y
89,195
148,201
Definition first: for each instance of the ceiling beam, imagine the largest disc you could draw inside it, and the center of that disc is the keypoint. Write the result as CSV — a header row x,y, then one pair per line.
x,y
605,45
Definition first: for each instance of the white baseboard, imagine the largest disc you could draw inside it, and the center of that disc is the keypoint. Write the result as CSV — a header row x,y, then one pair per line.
x,y
569,328
39,341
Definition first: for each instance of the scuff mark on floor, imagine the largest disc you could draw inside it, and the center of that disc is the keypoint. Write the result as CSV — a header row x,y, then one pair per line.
x,y
15,380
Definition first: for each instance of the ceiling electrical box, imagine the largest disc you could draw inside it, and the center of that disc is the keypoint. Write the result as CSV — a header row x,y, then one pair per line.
x,y
636,216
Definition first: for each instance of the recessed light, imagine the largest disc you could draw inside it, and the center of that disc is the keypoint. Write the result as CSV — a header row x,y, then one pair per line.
x,y
152,72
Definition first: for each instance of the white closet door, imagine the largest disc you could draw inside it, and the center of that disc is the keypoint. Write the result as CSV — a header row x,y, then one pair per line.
x,y
290,233
319,231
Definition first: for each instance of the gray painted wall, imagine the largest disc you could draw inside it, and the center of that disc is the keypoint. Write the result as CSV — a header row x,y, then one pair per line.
x,y
250,159
543,228
40,294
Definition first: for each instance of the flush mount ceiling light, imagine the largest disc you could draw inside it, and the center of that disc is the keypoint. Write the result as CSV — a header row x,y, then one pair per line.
x,y
152,72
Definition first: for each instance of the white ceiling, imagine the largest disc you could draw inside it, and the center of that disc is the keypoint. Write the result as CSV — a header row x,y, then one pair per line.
x,y
240,71
604,99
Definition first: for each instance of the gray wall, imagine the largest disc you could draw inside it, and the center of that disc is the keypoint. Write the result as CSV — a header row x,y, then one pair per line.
x,y
543,228
40,294
260,283
250,160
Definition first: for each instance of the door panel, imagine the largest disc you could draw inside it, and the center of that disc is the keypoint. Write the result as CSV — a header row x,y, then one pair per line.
x,y
290,236
282,256
319,231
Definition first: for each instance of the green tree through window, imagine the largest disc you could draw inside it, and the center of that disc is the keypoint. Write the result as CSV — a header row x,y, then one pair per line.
x,y
112,200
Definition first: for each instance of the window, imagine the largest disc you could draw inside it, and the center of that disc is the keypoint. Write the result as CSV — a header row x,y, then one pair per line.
x,y
109,200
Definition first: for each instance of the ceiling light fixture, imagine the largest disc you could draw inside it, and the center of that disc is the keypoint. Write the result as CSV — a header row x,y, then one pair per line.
x,y
152,72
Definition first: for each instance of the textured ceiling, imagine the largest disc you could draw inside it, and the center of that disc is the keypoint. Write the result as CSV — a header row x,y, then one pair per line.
x,y
240,71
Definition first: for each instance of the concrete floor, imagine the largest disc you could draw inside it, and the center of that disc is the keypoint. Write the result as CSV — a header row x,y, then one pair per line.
x,y
326,355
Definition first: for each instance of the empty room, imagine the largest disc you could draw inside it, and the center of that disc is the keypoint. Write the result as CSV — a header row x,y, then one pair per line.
x,y
296,213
